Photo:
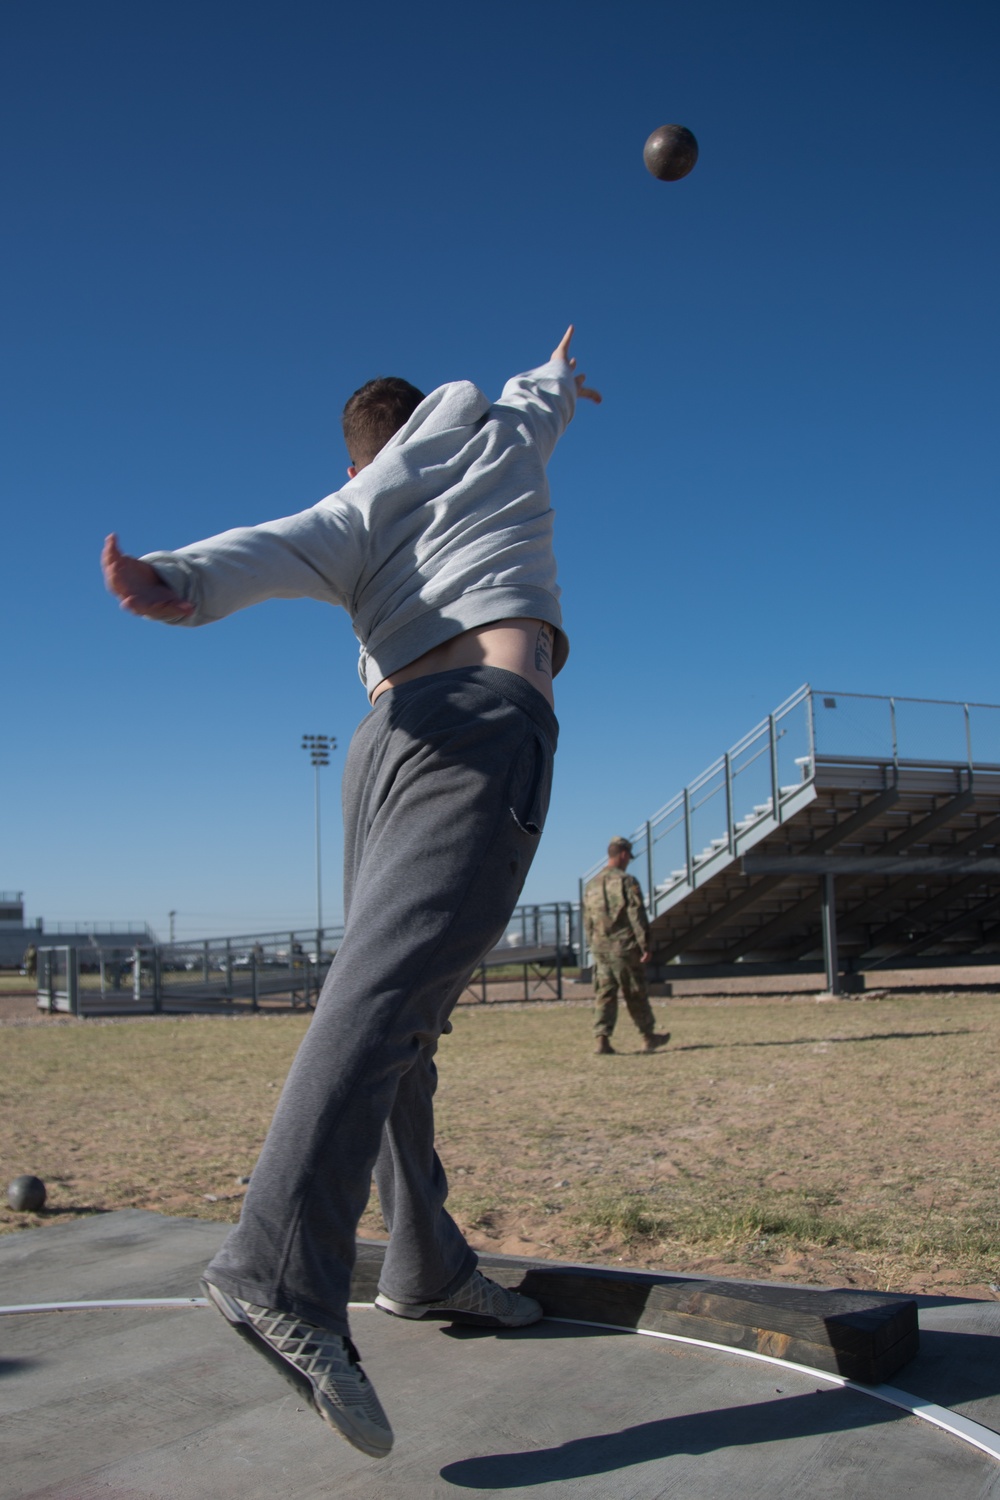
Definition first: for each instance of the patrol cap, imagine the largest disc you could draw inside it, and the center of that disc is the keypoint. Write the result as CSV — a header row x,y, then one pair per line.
x,y
621,843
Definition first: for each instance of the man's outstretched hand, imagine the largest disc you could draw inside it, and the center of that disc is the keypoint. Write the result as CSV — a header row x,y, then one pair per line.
x,y
140,588
561,351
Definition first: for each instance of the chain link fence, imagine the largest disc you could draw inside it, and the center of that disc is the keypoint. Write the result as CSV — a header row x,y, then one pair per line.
x,y
283,970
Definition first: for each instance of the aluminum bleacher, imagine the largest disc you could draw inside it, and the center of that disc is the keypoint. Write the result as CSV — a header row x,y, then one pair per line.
x,y
844,834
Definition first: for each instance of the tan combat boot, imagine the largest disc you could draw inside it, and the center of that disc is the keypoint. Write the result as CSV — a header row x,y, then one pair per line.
x,y
654,1039
604,1047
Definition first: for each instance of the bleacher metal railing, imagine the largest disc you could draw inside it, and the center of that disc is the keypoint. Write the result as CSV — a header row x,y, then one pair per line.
x,y
931,732
764,770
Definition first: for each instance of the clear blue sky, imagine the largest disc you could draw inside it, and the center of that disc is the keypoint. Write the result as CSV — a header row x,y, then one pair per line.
x,y
221,217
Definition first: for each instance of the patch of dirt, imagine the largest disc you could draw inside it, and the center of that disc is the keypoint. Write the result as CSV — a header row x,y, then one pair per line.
x,y
18,1005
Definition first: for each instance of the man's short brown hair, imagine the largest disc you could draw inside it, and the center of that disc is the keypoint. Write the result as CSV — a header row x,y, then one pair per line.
x,y
618,844
375,413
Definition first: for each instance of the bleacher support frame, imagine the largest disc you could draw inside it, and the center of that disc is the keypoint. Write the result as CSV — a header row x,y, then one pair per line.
x,y
863,808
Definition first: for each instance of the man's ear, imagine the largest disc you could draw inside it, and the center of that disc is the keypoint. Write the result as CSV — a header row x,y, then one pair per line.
x,y
352,472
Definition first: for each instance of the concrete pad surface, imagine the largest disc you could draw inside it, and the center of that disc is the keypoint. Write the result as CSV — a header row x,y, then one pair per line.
x,y
170,1405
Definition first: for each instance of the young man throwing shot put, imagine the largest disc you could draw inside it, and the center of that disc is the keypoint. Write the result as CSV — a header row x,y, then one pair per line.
x,y
440,548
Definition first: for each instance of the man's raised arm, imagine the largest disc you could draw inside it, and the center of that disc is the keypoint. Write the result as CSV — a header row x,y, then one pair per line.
x,y
546,397
583,391
140,588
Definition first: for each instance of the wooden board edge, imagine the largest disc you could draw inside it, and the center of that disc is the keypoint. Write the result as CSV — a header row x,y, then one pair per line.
x,y
869,1349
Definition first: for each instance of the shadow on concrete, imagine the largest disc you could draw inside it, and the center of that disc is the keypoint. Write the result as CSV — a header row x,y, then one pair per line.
x,y
953,1368
817,1414
465,1332
928,1300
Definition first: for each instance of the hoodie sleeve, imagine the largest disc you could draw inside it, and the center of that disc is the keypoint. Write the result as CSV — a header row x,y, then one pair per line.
x,y
544,399
312,555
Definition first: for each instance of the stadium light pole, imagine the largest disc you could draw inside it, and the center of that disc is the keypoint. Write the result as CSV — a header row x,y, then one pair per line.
x,y
318,747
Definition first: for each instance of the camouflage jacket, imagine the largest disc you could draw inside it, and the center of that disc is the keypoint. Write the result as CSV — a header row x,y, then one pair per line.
x,y
613,914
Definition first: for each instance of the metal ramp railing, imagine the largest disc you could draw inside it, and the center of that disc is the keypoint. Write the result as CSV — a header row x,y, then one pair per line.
x,y
738,800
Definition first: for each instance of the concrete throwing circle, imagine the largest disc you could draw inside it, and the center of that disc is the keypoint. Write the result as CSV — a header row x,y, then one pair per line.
x,y
121,1394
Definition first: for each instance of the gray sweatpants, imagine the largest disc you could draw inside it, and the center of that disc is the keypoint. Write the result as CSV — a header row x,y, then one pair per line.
x,y
445,792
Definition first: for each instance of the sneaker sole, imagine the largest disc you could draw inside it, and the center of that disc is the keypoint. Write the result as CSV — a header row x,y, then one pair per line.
x,y
428,1310
296,1378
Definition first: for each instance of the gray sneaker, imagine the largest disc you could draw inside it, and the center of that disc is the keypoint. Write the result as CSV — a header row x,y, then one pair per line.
x,y
322,1366
478,1301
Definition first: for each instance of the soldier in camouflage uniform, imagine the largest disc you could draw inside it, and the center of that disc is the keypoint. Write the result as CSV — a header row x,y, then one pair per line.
x,y
617,931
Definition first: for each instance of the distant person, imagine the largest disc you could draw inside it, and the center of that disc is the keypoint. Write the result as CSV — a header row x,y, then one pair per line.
x,y
440,547
617,932
29,963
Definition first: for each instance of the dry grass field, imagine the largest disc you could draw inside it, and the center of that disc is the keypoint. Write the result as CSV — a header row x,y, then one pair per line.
x,y
846,1143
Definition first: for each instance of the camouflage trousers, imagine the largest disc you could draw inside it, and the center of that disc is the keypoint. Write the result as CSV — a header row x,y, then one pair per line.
x,y
614,972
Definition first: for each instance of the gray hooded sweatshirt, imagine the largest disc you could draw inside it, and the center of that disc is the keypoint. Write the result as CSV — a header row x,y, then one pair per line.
x,y
448,528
